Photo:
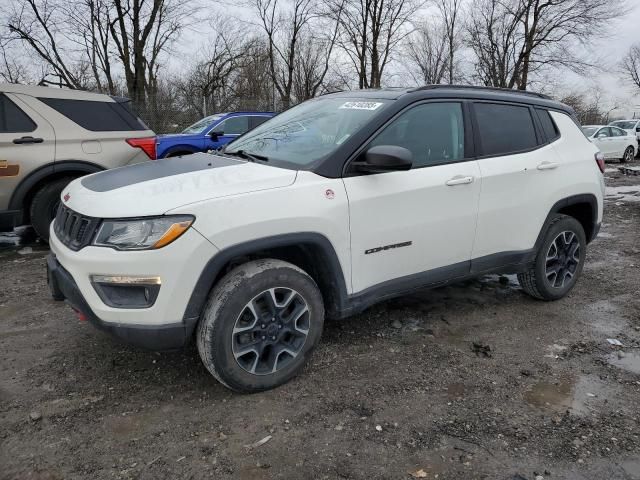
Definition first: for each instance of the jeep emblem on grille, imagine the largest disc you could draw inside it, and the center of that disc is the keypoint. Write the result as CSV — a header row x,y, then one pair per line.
x,y
66,197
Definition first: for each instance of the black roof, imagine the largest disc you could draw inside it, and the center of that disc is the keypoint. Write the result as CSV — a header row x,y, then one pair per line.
x,y
458,91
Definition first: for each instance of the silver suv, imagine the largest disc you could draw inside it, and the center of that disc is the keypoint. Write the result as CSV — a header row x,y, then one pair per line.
x,y
49,136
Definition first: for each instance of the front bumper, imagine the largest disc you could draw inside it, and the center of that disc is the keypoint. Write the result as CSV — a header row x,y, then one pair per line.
x,y
153,337
165,324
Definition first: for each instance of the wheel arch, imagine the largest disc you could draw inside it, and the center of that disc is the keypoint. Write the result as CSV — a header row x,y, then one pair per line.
x,y
583,207
312,252
26,189
176,149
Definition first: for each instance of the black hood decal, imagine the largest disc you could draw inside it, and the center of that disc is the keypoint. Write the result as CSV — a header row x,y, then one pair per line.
x,y
143,172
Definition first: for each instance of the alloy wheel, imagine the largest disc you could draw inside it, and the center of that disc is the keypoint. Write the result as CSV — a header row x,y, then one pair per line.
x,y
563,258
270,331
628,154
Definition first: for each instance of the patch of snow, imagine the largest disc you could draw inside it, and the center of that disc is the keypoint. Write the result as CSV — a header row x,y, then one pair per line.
x,y
623,194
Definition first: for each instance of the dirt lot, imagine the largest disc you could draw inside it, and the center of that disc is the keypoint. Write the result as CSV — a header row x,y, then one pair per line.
x,y
394,391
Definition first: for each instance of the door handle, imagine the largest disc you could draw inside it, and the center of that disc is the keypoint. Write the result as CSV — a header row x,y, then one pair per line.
x,y
459,180
547,165
28,139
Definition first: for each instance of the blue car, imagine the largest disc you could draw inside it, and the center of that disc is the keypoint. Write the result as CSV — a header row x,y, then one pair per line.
x,y
209,133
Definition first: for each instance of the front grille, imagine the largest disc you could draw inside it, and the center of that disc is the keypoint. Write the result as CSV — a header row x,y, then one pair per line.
x,y
73,229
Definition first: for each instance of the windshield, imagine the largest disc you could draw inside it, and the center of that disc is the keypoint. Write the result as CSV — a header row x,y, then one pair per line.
x,y
588,131
202,124
308,132
625,124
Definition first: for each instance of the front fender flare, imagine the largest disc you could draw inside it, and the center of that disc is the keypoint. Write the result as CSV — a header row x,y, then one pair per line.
x,y
213,268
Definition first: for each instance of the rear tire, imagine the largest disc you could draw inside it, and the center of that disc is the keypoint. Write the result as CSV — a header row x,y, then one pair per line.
x,y
559,260
260,325
628,155
45,204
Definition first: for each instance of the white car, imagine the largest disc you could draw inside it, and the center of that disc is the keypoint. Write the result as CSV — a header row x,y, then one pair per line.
x,y
383,192
613,142
632,126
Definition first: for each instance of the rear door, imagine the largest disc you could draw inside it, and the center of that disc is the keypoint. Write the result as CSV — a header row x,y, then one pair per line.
x,y
620,141
256,120
521,175
27,141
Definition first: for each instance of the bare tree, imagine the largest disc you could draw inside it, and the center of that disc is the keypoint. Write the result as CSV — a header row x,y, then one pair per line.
x,y
300,40
513,38
371,33
11,69
427,51
38,24
631,65
451,11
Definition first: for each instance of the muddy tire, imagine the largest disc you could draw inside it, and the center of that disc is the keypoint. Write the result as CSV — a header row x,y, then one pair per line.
x,y
44,205
260,325
559,260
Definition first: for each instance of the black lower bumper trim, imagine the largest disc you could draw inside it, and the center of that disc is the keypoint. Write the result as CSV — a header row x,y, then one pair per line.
x,y
153,337
9,219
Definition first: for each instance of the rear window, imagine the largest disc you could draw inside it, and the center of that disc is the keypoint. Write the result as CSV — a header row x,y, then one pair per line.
x,y
505,129
96,116
12,119
548,125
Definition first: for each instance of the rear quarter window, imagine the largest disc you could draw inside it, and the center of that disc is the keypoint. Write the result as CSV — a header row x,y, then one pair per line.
x,y
505,129
549,127
95,115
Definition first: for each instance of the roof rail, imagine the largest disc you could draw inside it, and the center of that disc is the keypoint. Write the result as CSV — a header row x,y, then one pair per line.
x,y
493,89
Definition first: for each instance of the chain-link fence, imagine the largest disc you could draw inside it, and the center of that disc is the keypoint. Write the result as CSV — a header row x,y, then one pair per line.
x,y
172,115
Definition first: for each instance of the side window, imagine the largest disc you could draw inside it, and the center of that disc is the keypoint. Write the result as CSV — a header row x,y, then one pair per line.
x,y
13,119
234,126
95,115
505,129
433,132
603,133
616,132
548,125
255,121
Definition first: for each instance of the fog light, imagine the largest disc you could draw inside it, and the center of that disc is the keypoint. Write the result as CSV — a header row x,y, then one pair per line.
x,y
120,291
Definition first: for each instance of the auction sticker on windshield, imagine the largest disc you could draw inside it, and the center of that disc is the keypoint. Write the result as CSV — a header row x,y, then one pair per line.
x,y
361,105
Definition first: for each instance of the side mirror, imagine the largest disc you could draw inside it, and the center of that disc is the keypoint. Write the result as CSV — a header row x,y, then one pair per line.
x,y
214,135
384,158
601,135
638,129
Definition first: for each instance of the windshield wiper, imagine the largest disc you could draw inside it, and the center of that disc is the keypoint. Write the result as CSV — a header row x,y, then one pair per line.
x,y
251,157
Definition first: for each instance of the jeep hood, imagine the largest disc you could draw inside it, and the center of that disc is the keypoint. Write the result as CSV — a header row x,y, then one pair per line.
x,y
155,187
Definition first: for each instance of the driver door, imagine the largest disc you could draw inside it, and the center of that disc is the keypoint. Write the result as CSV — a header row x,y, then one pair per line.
x,y
229,130
417,226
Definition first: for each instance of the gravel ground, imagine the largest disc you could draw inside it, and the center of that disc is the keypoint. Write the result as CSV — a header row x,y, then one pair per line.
x,y
475,380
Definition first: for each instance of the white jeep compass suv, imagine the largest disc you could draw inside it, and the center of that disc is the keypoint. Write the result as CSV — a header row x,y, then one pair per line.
x,y
329,207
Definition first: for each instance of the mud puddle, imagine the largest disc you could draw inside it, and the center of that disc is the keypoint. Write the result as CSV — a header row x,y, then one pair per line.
x,y
578,395
626,361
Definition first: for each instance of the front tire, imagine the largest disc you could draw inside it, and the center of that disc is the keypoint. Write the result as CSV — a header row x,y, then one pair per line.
x,y
559,260
628,155
45,204
260,325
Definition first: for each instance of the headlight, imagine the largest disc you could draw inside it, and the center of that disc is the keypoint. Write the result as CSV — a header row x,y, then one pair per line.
x,y
143,233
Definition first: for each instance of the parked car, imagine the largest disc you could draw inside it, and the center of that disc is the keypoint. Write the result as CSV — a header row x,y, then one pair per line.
x,y
49,136
248,249
613,142
632,126
210,133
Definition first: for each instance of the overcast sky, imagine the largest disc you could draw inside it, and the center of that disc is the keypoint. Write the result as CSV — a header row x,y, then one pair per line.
x,y
611,49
